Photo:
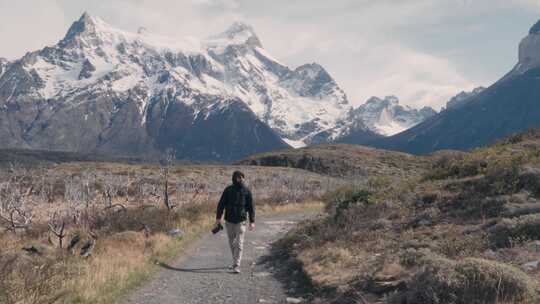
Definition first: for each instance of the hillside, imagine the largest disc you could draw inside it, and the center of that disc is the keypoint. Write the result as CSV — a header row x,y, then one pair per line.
x,y
464,231
483,116
33,158
340,160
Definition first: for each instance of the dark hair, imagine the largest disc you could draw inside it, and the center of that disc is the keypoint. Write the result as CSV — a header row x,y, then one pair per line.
x,y
237,174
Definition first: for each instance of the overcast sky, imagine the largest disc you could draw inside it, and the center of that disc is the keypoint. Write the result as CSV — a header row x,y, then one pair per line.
x,y
422,51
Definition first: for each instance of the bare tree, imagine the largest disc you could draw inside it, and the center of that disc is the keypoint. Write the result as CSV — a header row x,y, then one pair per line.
x,y
46,187
57,227
166,165
14,214
15,218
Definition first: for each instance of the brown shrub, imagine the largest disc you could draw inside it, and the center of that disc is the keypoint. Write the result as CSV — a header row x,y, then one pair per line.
x,y
510,231
441,280
530,179
31,279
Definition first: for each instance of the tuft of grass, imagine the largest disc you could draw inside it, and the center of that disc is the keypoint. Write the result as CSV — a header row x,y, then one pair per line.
x,y
472,280
508,232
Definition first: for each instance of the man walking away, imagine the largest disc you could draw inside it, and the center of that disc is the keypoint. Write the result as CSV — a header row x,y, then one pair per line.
x,y
237,202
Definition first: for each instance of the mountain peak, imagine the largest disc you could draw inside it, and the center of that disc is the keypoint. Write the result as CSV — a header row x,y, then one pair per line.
x,y
385,116
529,51
392,99
86,17
387,101
87,26
535,29
239,33
463,98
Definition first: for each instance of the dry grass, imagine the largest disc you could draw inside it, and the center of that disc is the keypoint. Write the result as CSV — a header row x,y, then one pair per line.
x,y
120,262
475,213
321,264
341,160
126,259
124,254
472,280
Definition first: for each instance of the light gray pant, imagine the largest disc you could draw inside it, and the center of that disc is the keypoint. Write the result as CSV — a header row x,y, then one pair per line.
x,y
236,233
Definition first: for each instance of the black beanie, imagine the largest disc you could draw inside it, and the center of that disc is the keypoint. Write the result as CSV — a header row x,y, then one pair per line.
x,y
237,174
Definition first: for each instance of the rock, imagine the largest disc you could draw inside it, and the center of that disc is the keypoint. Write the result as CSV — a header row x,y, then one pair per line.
x,y
424,222
472,229
537,246
530,265
294,300
87,69
175,233
530,179
381,224
86,249
383,287
33,250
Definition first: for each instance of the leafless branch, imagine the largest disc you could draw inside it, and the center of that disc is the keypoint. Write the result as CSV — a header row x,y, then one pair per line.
x,y
57,227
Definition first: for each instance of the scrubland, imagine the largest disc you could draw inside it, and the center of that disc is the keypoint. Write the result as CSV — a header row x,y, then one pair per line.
x,y
88,232
466,229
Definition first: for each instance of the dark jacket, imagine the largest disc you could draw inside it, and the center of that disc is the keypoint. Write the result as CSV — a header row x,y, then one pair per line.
x,y
237,202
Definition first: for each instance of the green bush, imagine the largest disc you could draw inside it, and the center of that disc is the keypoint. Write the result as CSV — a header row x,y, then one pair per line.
x,y
530,179
478,207
344,199
509,231
502,177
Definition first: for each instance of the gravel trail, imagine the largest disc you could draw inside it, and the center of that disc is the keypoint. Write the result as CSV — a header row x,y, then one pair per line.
x,y
201,275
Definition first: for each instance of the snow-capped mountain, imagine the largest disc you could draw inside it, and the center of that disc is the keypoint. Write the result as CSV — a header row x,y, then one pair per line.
x,y
387,117
297,103
104,89
463,97
3,65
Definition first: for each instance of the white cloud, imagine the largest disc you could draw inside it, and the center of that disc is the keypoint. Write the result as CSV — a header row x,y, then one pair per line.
x,y
25,25
423,51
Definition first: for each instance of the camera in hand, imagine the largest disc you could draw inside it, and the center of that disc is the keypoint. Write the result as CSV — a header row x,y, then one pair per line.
x,y
217,229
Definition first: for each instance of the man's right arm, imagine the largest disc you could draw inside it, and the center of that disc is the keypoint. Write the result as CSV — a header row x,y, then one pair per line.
x,y
221,205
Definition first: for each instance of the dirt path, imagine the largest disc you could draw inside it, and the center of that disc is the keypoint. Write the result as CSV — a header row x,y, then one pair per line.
x,y
201,276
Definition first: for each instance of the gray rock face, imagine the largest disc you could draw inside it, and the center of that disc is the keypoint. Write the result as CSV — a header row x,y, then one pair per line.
x,y
312,80
529,47
3,65
87,69
387,117
463,97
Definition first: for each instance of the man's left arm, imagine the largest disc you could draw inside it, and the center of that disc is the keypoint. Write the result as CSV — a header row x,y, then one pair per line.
x,y
250,208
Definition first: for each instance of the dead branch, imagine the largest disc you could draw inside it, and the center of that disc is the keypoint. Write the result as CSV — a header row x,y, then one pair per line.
x,y
58,229
122,207
16,219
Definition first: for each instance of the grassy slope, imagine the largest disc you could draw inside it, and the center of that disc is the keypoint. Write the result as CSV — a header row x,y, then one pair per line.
x,y
460,232
341,160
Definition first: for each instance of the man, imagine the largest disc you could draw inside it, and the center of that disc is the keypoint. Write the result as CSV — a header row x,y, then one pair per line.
x,y
237,202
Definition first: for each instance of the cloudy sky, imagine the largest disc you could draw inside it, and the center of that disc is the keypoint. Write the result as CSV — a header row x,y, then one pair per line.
x,y
422,51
